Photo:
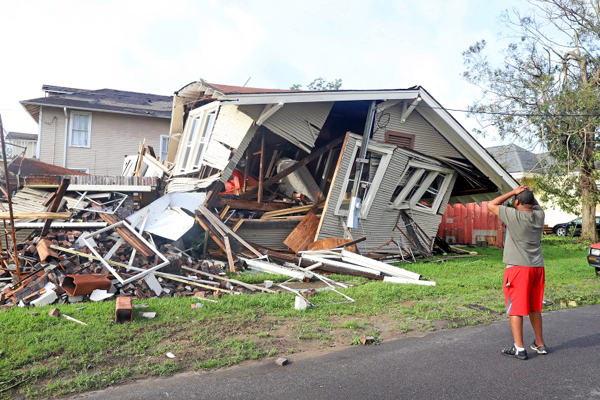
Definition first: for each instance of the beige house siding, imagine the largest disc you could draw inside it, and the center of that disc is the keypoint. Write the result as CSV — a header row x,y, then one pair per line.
x,y
52,135
113,136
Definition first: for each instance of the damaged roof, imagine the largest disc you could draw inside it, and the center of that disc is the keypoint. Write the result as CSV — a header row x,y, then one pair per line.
x,y
21,136
28,166
106,100
415,97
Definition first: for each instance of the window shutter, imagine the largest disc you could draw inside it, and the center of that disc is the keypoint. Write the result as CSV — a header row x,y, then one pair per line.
x,y
400,139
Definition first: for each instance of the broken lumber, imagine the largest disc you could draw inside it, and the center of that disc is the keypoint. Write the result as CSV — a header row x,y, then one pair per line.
x,y
312,156
215,221
62,189
129,237
36,215
250,205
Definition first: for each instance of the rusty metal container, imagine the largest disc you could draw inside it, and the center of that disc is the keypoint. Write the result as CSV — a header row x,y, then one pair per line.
x,y
124,310
78,285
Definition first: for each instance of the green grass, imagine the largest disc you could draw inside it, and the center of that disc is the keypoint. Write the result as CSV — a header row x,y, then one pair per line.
x,y
51,356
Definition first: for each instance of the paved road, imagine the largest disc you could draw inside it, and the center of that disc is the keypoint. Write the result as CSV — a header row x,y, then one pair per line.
x,y
455,364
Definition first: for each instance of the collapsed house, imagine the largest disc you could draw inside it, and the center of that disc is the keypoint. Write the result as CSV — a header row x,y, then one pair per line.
x,y
380,164
296,183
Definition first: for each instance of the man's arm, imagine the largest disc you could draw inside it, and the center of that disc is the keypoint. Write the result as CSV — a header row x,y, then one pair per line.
x,y
495,204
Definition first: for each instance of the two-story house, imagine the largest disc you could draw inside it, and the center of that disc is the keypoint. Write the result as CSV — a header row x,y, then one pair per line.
x,y
93,130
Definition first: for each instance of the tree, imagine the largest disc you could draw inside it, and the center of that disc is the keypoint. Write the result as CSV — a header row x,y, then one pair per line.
x,y
547,92
320,84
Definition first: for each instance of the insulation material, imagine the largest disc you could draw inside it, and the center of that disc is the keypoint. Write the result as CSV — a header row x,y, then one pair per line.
x,y
165,215
216,155
299,122
231,126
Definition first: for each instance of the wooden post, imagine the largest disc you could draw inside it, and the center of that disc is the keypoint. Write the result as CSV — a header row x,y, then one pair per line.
x,y
246,168
10,209
261,173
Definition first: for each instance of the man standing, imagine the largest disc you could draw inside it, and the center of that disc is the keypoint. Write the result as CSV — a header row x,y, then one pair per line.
x,y
524,275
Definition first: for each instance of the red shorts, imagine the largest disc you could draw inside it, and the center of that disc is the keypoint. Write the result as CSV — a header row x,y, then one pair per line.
x,y
523,289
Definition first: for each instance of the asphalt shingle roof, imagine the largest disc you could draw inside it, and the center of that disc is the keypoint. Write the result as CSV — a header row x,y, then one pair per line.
x,y
515,158
109,100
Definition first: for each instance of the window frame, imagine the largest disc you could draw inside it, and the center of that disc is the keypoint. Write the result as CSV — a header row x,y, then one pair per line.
x,y
86,170
188,164
165,150
89,129
432,172
386,153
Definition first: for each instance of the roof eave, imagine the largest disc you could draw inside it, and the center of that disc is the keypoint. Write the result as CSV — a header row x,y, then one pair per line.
x,y
23,103
321,96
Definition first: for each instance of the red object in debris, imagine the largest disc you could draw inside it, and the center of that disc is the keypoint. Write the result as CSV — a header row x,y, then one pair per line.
x,y
78,285
124,310
238,182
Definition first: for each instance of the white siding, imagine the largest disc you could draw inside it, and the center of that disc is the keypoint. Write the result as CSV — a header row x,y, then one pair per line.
x,y
299,122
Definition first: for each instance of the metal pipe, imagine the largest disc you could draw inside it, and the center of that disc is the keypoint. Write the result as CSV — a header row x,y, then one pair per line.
x,y
10,209
66,137
354,202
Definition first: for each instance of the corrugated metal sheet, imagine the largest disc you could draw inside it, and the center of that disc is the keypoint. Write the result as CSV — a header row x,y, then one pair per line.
x,y
117,180
231,126
471,223
427,139
299,122
380,222
216,155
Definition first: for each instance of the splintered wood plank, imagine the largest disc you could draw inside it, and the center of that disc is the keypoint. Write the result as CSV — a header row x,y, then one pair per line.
x,y
126,234
36,215
332,243
303,234
62,189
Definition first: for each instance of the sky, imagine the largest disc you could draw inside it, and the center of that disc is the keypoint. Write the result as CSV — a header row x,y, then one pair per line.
x,y
160,46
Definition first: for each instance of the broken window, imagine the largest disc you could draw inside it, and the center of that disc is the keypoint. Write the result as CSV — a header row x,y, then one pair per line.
x,y
378,158
421,187
196,137
81,126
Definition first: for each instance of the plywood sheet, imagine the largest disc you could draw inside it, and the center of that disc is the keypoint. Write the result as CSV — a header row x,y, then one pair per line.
x,y
303,234
330,243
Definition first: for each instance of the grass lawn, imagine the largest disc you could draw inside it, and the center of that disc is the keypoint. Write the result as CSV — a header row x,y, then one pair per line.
x,y
45,356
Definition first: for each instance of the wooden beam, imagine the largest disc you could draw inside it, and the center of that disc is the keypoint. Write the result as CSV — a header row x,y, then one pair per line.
x,y
62,189
215,221
261,170
249,205
312,156
36,215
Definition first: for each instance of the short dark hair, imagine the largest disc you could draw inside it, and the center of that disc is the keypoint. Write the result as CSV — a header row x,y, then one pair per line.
x,y
525,197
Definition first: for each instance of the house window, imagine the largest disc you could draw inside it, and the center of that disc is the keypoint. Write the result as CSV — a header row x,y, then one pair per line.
x,y
405,140
378,159
196,138
421,187
86,170
81,127
164,147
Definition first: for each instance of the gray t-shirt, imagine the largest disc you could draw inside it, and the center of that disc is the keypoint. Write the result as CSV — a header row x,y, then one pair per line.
x,y
523,245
